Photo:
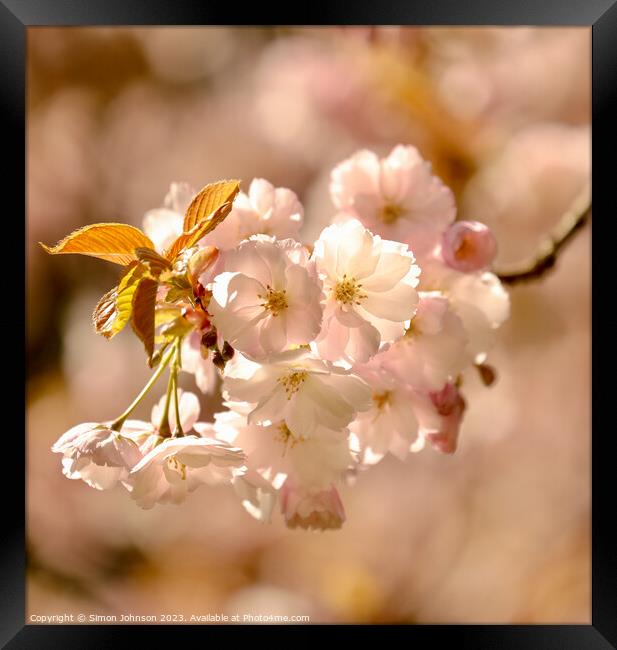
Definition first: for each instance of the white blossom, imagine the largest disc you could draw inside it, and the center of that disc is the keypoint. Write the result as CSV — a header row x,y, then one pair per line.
x,y
177,466
369,284
299,388
96,454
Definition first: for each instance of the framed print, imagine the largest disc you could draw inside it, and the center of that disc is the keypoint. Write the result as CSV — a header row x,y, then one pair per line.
x,y
307,323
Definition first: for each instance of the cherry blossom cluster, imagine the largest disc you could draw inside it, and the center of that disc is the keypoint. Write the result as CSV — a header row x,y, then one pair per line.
x,y
330,356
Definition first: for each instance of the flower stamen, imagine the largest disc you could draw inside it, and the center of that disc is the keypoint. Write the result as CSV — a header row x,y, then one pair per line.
x,y
176,466
292,381
275,301
347,291
285,436
381,399
390,212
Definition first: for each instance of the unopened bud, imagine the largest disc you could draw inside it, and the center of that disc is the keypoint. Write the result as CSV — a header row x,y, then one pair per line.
x,y
199,290
468,246
218,361
201,261
450,405
209,339
487,373
227,352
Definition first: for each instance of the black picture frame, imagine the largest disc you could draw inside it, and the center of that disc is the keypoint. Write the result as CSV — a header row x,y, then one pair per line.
x,y
601,15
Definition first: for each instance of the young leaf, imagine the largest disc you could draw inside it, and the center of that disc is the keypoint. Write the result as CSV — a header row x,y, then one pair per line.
x,y
113,242
174,279
105,314
173,329
176,294
142,316
155,262
163,315
189,239
209,199
113,310
126,290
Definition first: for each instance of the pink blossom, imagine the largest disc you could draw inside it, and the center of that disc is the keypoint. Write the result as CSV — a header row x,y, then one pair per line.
x,y
311,509
299,388
434,349
257,495
96,454
369,285
478,299
264,210
172,467
390,425
276,452
440,419
396,197
268,298
177,466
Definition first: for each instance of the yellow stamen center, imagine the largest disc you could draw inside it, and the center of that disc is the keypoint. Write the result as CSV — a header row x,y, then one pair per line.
x,y
381,399
292,381
285,436
347,291
411,330
176,466
274,301
390,212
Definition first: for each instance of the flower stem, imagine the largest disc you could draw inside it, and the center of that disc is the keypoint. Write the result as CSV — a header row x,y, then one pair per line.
x,y
178,431
119,421
176,365
164,429
172,388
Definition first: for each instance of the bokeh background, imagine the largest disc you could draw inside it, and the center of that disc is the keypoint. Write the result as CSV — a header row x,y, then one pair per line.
x,y
498,533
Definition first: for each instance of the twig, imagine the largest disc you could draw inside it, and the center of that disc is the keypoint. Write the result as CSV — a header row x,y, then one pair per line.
x,y
546,257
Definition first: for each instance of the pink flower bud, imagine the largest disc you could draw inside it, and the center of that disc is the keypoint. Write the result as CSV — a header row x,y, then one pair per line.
x,y
202,262
468,246
450,405
314,509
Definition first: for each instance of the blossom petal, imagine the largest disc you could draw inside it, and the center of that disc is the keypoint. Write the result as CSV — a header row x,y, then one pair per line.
x,y
397,304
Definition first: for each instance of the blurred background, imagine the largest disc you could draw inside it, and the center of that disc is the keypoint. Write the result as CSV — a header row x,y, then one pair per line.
x,y
498,533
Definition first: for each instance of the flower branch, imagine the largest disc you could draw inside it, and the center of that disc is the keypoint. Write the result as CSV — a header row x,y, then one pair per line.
x,y
546,257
